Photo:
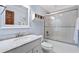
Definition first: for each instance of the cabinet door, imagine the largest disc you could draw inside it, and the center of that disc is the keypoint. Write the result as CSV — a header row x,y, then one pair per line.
x,y
37,49
26,48
29,51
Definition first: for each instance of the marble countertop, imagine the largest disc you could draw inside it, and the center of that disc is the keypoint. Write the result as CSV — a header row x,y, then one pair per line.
x,y
16,42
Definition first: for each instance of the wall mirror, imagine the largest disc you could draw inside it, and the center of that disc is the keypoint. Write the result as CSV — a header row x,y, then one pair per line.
x,y
16,16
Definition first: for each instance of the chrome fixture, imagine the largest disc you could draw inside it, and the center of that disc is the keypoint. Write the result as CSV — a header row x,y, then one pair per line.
x,y
19,34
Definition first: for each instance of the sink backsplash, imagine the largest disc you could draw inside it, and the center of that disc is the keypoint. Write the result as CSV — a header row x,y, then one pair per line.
x,y
9,36
5,37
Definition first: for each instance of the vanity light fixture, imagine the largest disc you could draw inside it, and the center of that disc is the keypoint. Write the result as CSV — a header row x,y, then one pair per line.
x,y
33,15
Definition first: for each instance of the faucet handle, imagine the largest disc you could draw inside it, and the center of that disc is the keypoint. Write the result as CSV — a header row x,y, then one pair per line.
x,y
17,34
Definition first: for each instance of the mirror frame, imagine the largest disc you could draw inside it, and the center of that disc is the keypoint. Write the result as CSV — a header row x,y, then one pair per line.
x,y
19,26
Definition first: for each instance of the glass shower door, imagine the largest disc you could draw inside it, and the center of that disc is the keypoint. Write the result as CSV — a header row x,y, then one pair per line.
x,y
61,26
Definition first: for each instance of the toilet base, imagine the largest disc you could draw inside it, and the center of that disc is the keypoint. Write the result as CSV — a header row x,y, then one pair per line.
x,y
46,50
47,47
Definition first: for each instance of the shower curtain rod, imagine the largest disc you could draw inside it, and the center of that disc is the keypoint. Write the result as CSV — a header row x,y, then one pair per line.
x,y
60,11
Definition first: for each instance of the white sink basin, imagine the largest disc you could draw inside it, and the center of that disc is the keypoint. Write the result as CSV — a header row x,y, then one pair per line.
x,y
16,42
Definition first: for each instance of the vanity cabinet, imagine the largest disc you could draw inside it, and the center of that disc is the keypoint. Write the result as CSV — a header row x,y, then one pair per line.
x,y
37,49
31,47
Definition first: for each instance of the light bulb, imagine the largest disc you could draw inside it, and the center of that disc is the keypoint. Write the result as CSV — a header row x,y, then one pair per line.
x,y
52,17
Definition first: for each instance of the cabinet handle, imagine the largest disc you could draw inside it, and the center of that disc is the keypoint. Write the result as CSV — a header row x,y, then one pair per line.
x,y
37,51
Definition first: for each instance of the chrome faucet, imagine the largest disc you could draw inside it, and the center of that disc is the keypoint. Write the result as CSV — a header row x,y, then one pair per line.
x,y
19,34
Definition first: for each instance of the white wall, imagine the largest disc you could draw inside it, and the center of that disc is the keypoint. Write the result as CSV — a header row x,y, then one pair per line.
x,y
38,27
38,24
37,9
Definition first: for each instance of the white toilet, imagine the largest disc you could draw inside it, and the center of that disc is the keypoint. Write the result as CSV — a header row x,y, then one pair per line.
x,y
47,47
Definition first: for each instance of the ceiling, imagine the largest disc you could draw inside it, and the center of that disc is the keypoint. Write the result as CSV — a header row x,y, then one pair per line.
x,y
54,8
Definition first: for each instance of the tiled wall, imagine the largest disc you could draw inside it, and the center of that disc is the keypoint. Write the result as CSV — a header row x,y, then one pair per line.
x,y
61,27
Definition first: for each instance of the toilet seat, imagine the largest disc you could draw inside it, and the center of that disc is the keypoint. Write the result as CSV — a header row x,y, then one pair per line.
x,y
46,45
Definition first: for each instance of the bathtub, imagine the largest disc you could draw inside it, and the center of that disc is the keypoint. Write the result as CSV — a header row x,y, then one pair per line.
x,y
59,47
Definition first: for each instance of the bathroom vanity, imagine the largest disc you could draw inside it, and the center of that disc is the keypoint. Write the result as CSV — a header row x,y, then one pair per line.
x,y
18,16
24,44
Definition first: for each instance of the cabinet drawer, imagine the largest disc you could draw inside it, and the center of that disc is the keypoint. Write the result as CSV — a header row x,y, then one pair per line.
x,y
37,49
29,51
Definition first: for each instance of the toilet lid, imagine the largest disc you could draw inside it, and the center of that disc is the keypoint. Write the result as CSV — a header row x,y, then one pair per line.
x,y
46,44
